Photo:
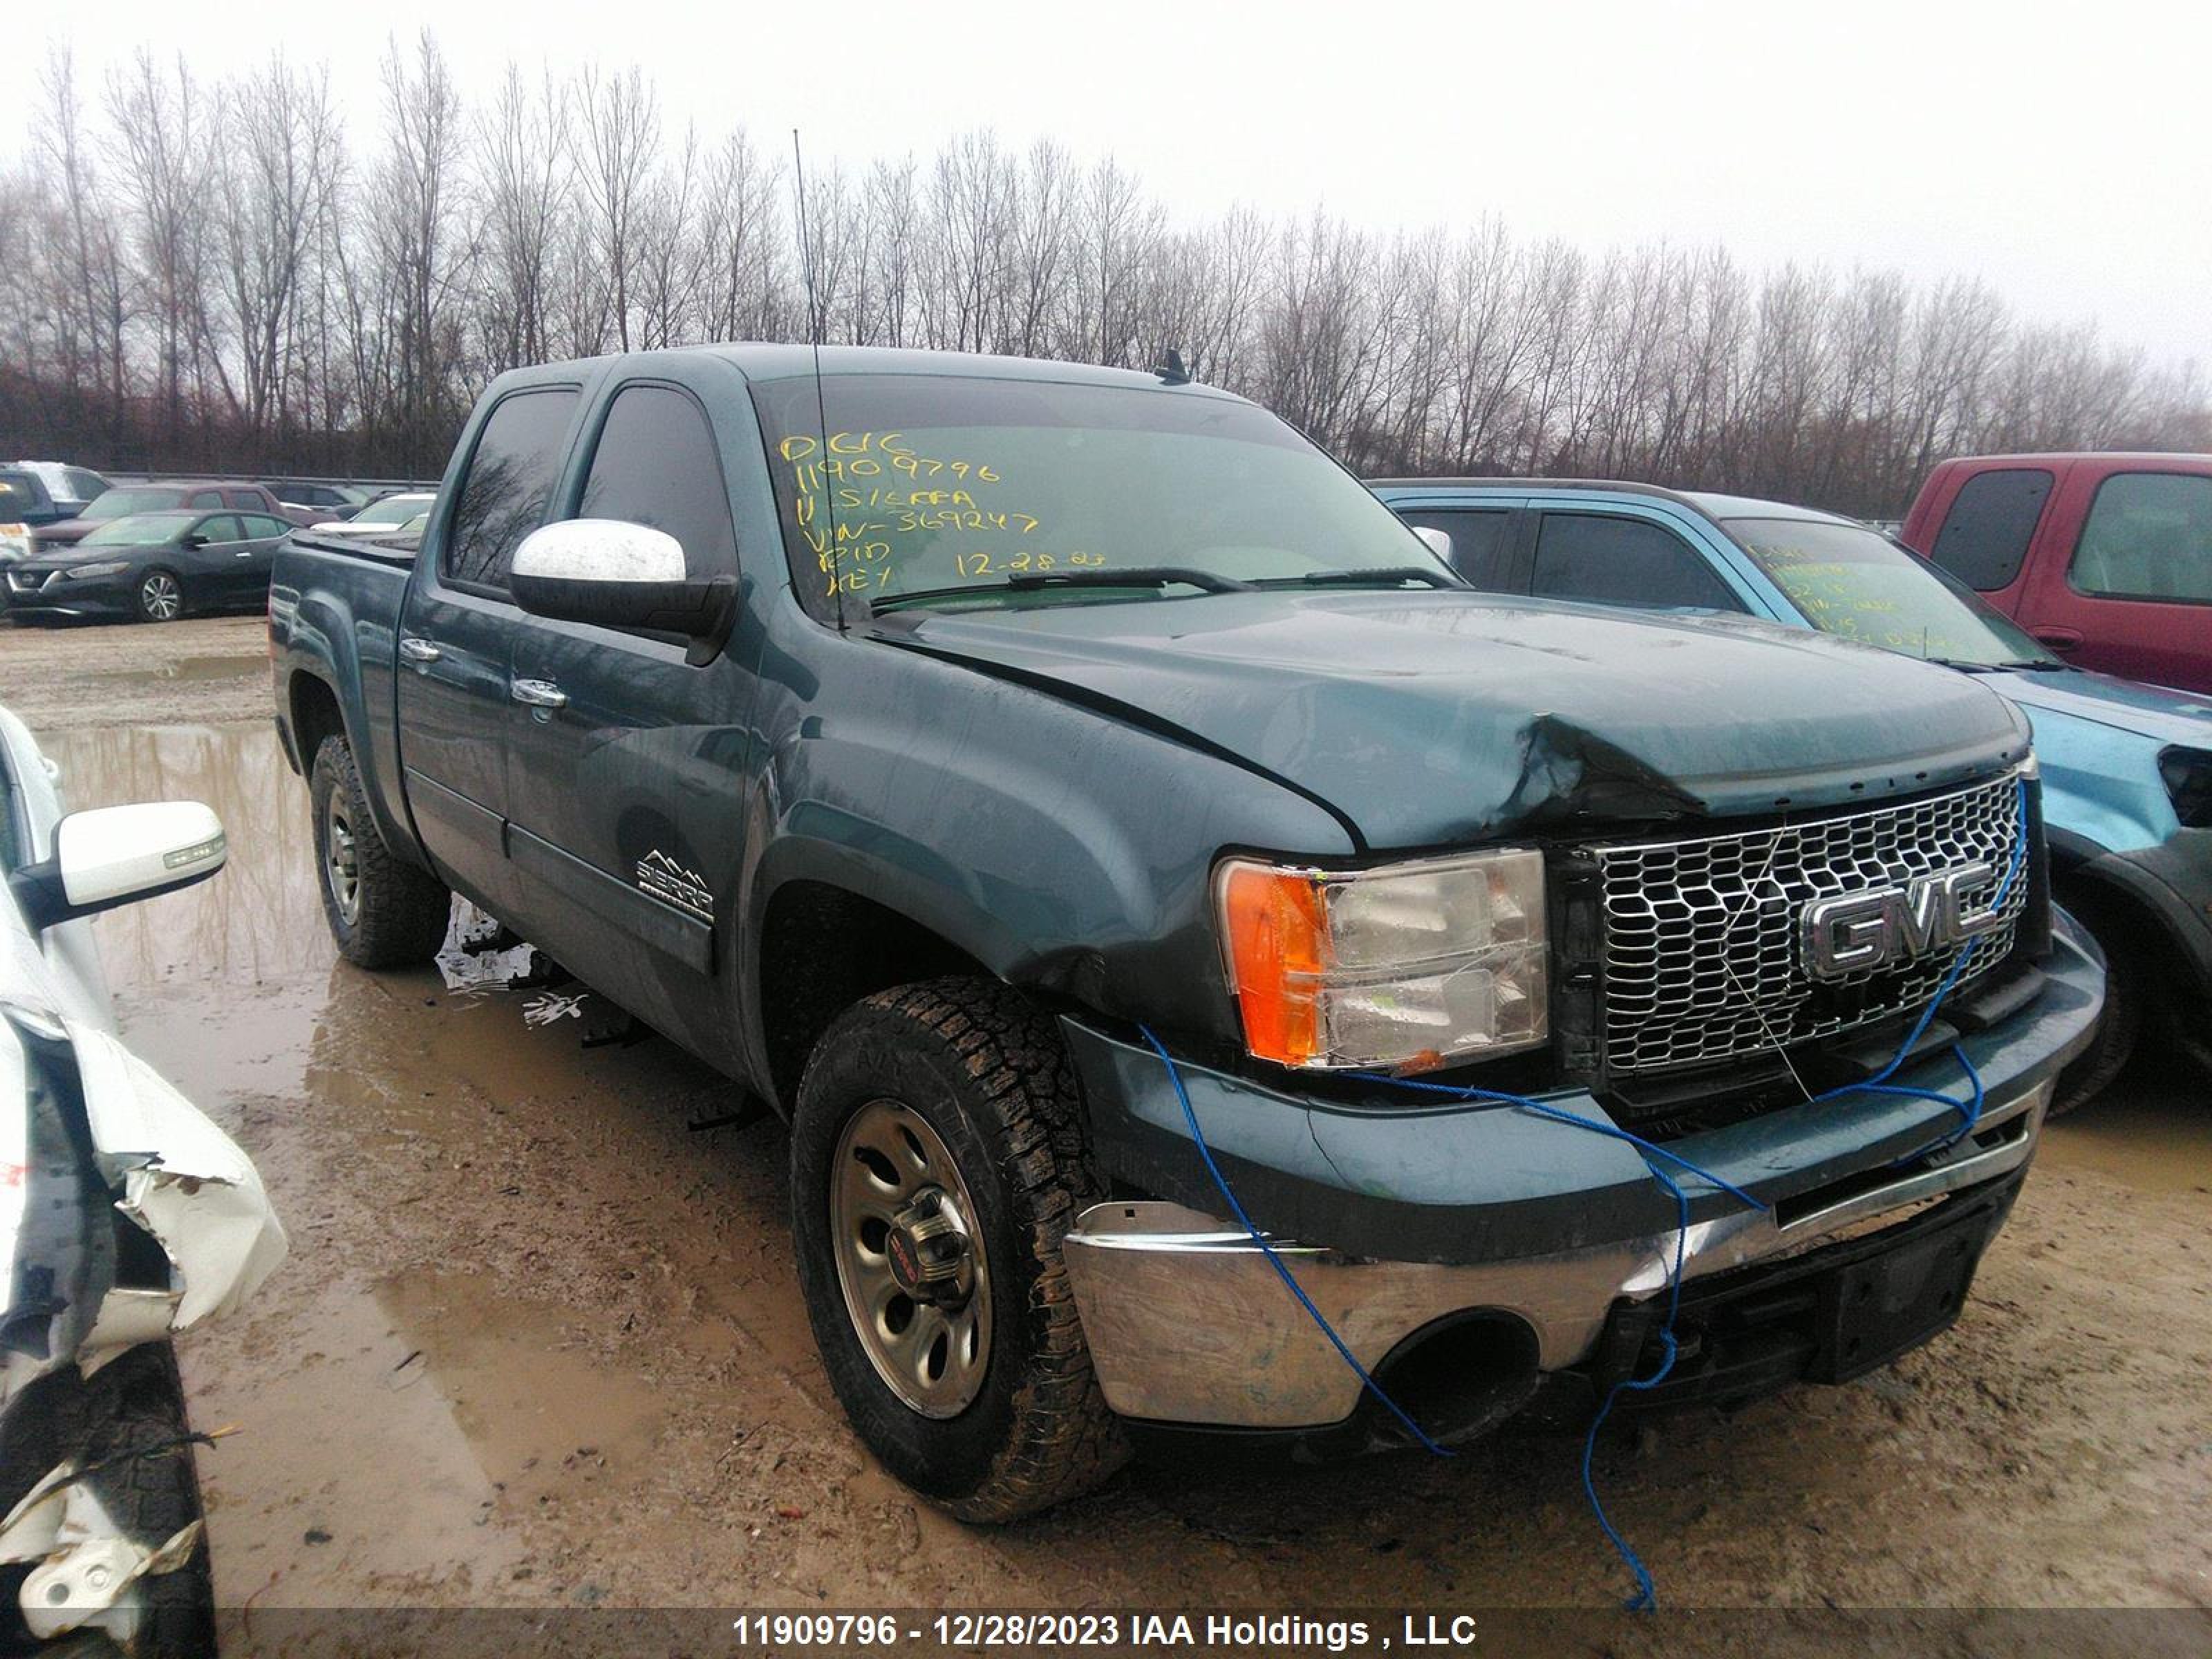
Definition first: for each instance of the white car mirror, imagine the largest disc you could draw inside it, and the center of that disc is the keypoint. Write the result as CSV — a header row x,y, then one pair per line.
x,y
620,575
114,855
1439,541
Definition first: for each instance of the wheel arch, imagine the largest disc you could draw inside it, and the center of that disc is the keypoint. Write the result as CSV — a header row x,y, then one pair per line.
x,y
821,944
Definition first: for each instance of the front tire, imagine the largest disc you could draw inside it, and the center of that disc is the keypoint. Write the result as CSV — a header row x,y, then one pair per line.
x,y
383,911
938,1160
160,597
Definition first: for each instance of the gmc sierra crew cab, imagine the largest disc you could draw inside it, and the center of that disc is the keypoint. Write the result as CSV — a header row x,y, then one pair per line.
x,y
1091,820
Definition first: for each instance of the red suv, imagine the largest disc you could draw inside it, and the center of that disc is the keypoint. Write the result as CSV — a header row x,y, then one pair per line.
x,y
2106,559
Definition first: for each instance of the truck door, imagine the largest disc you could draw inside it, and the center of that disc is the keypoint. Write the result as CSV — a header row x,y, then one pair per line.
x,y
457,627
1616,554
2130,590
1984,532
626,775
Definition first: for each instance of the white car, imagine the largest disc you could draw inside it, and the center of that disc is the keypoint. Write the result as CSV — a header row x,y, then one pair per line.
x,y
126,1215
380,517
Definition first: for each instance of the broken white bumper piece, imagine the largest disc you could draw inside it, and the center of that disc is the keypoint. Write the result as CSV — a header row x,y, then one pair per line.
x,y
88,1567
186,1183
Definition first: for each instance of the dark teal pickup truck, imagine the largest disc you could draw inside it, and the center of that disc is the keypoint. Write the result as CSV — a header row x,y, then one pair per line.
x,y
1138,871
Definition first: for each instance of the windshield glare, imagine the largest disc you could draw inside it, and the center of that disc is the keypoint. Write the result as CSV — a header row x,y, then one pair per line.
x,y
920,482
1857,585
142,531
393,509
121,503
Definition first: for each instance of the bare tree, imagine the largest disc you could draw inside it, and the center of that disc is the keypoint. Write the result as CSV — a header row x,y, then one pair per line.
x,y
203,274
621,148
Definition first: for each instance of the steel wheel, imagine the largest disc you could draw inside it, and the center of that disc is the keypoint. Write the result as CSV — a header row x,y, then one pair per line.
x,y
342,860
160,597
916,1286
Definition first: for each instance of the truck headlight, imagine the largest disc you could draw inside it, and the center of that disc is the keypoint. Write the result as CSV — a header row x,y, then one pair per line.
x,y
1407,966
2188,774
84,572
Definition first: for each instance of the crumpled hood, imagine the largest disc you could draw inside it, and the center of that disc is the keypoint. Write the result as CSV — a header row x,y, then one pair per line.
x,y
1430,719
2149,711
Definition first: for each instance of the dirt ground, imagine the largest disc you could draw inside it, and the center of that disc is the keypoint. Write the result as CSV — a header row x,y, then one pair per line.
x,y
539,1344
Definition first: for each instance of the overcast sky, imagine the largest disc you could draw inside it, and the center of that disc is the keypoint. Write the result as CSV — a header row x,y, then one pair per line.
x,y
2065,154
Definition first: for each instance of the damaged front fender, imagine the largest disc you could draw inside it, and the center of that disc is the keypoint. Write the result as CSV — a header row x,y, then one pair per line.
x,y
184,1182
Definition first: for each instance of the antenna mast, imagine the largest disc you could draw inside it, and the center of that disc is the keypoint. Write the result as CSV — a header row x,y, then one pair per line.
x,y
814,339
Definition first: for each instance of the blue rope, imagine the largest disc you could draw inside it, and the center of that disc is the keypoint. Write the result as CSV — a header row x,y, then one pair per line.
x,y
1970,1109
1655,1157
1275,1261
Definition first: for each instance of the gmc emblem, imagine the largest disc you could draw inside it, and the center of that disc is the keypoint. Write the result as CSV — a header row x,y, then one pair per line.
x,y
1852,933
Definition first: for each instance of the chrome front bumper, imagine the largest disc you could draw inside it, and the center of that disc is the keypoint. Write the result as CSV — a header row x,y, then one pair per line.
x,y
1187,1322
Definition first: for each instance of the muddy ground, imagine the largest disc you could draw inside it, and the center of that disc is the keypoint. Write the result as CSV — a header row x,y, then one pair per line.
x,y
539,1344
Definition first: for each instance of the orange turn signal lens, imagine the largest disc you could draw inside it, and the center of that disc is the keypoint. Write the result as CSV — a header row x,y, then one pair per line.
x,y
1278,940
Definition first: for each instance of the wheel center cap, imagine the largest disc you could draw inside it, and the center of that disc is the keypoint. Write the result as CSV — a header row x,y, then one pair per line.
x,y
927,1248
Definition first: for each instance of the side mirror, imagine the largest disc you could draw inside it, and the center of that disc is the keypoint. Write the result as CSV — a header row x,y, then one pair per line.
x,y
621,575
194,538
115,855
1437,540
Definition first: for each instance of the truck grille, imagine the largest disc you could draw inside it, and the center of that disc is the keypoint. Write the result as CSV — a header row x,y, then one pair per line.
x,y
1702,951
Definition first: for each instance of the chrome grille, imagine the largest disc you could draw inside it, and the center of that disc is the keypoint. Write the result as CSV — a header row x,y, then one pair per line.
x,y
1702,937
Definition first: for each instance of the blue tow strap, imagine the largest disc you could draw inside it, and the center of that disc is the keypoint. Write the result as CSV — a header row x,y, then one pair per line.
x,y
1656,1157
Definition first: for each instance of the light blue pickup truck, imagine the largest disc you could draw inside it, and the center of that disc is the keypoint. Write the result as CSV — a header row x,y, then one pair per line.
x,y
2127,768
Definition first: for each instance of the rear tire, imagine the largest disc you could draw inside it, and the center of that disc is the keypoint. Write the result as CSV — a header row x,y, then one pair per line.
x,y
2114,1044
383,911
160,597
984,1074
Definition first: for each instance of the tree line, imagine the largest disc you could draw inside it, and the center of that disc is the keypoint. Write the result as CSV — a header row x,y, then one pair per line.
x,y
215,273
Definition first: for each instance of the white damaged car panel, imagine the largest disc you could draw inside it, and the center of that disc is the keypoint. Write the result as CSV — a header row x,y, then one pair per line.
x,y
184,1181
126,1215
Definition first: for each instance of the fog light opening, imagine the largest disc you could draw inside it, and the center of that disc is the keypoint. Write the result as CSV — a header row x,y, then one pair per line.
x,y
1461,1375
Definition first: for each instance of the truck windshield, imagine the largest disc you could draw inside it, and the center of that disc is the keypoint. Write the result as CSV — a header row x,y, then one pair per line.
x,y
1851,582
947,489
121,503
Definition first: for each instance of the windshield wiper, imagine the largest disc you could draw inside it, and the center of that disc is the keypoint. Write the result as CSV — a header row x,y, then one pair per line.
x,y
1392,575
1142,576
2025,665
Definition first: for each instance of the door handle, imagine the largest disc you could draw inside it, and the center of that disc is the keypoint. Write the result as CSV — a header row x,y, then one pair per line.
x,y
2058,638
419,650
539,693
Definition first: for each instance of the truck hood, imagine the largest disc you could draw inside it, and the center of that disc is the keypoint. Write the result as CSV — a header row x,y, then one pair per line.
x,y
2147,711
1438,718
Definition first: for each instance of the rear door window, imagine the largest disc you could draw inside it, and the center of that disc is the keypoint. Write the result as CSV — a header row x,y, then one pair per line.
x,y
1985,535
511,474
656,463
2149,536
1600,559
1480,541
